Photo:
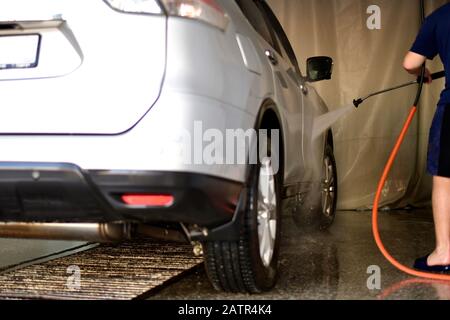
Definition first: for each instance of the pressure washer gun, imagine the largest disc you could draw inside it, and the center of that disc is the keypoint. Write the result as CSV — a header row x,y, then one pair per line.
x,y
434,76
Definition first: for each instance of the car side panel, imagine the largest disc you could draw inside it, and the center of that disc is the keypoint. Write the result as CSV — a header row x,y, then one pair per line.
x,y
267,86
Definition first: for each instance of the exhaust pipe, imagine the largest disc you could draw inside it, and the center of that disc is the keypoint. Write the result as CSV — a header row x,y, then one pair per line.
x,y
92,232
95,232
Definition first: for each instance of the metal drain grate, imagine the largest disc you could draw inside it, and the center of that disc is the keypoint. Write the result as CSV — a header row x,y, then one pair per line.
x,y
124,271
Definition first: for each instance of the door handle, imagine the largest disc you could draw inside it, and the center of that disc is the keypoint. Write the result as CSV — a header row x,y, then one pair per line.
x,y
271,56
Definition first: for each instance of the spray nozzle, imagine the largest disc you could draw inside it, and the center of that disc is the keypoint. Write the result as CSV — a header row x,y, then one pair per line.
x,y
357,102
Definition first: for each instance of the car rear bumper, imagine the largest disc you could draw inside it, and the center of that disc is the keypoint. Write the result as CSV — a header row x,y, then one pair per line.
x,y
63,192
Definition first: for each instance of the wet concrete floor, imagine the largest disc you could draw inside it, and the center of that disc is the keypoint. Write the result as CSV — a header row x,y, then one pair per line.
x,y
326,265
335,264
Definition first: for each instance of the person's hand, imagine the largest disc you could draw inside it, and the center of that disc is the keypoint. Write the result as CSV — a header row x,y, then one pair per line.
x,y
428,77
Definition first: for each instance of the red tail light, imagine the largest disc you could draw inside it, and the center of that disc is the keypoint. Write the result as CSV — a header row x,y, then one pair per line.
x,y
148,200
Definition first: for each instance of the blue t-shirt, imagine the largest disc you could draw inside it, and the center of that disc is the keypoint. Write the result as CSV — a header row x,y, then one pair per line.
x,y
434,39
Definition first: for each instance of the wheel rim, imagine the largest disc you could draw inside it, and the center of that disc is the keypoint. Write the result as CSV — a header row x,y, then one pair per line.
x,y
328,188
267,212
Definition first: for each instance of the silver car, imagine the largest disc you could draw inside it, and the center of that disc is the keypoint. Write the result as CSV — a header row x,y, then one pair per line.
x,y
186,120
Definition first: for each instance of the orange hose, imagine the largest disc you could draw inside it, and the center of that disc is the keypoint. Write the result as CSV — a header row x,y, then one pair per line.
x,y
376,233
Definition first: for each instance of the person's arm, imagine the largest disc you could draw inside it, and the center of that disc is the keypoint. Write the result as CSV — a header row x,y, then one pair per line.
x,y
425,47
413,64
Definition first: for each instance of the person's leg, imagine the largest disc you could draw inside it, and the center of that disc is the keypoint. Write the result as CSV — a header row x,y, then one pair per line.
x,y
441,214
438,165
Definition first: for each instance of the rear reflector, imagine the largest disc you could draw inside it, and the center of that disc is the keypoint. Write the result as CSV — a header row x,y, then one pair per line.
x,y
148,200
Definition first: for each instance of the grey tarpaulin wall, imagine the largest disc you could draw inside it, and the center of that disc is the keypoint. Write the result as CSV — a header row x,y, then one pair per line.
x,y
365,61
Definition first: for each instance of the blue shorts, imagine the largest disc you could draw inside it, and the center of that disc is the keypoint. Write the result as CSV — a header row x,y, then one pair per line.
x,y
439,143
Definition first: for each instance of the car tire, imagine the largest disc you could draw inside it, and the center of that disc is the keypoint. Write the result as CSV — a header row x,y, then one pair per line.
x,y
318,213
247,265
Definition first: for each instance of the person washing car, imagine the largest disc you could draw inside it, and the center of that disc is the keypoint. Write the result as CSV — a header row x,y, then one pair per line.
x,y
433,39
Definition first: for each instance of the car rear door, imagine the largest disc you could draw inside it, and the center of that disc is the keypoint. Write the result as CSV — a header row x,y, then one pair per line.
x,y
288,94
77,66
